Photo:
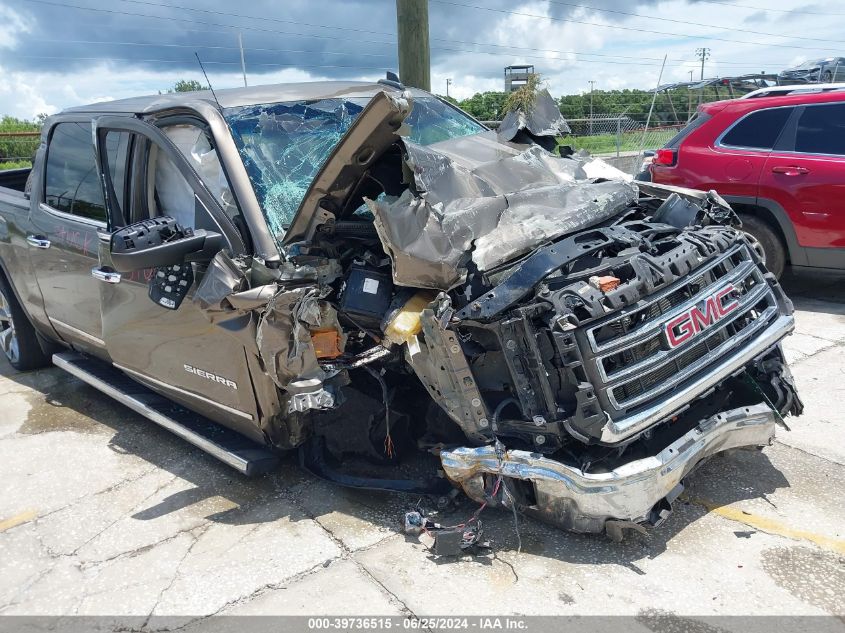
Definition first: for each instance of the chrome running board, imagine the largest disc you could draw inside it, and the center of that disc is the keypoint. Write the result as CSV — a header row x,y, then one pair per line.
x,y
229,447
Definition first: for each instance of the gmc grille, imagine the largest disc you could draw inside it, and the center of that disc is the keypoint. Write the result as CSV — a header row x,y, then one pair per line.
x,y
628,357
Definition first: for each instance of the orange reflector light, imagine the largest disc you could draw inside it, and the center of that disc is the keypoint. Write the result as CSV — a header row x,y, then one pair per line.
x,y
326,343
605,283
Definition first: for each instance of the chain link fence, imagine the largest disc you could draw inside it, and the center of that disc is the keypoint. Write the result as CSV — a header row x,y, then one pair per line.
x,y
620,140
17,149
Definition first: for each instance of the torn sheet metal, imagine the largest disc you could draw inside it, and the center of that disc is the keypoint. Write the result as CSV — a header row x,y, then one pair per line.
x,y
487,212
543,120
273,312
442,367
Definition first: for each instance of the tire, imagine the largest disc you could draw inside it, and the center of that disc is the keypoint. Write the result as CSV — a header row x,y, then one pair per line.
x,y
766,242
18,340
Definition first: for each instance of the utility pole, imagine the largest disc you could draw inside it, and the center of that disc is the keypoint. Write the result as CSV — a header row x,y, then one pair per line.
x,y
243,64
689,99
704,54
414,51
448,83
592,83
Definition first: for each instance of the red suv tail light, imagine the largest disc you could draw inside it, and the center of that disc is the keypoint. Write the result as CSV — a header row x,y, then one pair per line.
x,y
666,157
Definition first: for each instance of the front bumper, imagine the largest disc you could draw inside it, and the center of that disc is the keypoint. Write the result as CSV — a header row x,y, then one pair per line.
x,y
800,78
638,492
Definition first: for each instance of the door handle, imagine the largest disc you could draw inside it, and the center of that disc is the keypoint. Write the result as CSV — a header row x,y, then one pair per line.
x,y
37,241
105,275
790,170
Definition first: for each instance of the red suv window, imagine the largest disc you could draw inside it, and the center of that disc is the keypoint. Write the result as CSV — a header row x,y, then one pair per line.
x,y
758,130
821,130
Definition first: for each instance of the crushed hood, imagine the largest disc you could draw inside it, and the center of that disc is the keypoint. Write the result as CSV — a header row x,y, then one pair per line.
x,y
471,202
544,119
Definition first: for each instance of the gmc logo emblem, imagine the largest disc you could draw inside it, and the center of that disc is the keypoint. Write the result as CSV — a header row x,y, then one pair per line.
x,y
695,320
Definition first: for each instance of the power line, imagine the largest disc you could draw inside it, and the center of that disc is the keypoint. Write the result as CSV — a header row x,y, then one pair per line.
x,y
183,61
767,9
233,28
638,61
364,41
256,17
662,19
558,2
215,47
626,28
328,37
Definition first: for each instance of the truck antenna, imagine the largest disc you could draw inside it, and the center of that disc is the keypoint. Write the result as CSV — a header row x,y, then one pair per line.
x,y
207,80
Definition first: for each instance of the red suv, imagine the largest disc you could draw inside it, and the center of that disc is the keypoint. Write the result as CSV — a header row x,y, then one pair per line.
x,y
778,156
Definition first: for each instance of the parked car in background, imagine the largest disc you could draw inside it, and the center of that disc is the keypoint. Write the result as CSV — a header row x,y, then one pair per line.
x,y
815,71
778,156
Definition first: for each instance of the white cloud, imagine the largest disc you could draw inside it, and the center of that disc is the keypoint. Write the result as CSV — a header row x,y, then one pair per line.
x,y
27,94
612,58
12,25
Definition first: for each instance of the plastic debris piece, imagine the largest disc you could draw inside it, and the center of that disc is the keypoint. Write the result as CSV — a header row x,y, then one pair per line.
x,y
448,542
605,283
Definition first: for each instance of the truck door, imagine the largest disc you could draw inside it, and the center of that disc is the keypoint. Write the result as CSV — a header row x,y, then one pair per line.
x,y
176,352
64,243
804,174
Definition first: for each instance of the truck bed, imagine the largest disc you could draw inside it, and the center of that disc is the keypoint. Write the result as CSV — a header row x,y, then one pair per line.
x,y
14,179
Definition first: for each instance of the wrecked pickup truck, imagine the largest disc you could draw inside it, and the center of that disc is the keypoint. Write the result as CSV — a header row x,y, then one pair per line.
x,y
368,275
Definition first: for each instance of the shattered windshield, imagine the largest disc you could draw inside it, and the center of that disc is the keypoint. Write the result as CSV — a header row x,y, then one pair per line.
x,y
284,145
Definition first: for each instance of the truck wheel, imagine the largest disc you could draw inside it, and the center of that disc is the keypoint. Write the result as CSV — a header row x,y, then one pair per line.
x,y
766,242
17,336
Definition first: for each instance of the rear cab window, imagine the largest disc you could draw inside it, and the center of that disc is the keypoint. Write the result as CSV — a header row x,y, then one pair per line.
x,y
758,130
71,179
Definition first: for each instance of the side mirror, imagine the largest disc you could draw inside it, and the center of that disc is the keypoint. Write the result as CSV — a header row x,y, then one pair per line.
x,y
160,242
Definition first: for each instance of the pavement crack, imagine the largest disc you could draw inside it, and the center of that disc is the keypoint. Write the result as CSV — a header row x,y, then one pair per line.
x,y
261,591
348,554
196,538
122,516
807,452
143,548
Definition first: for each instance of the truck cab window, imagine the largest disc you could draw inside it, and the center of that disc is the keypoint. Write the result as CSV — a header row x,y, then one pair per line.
x,y
71,182
117,151
168,193
194,144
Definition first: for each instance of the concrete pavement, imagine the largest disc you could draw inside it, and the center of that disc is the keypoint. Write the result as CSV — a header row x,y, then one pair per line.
x,y
102,512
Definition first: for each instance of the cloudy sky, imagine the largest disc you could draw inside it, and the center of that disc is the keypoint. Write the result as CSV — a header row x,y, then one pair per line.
x,y
59,53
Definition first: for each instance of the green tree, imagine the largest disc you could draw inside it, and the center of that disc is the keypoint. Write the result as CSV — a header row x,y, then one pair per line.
x,y
15,151
485,106
185,85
